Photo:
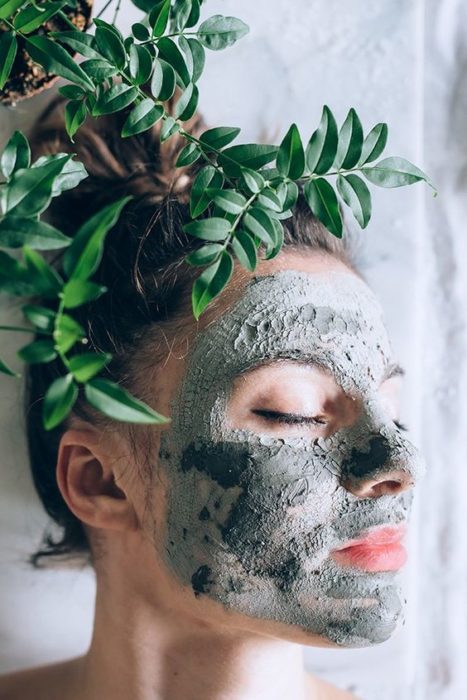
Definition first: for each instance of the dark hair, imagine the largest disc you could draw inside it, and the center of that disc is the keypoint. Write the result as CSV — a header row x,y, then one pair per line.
x,y
144,270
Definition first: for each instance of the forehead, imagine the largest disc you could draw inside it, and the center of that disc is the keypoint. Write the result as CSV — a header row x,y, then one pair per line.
x,y
326,318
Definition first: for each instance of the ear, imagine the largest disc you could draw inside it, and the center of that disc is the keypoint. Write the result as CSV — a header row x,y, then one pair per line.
x,y
87,469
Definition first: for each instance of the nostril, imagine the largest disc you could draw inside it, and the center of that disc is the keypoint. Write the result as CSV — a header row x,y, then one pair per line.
x,y
374,488
385,488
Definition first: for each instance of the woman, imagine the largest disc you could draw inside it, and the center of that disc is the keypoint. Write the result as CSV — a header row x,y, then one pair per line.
x,y
269,512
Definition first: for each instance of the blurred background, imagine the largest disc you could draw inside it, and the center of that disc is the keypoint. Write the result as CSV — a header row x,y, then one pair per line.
x,y
403,62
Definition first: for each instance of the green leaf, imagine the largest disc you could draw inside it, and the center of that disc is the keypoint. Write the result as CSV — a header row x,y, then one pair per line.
x,y
251,155
8,49
291,157
83,256
38,351
67,332
140,31
40,316
245,250
58,401
181,11
275,247
374,144
188,155
254,181
219,32
16,154
140,64
213,229
15,231
163,80
80,42
33,17
260,224
98,69
144,115
72,92
4,369
186,105
111,27
322,147
30,189
322,201
204,255
158,17
169,128
268,199
8,7
55,59
111,46
198,58
349,148
14,278
116,98
78,291
44,277
207,178
169,51
395,172
86,365
219,137
356,195
75,115
288,194
70,176
228,200
116,402
195,13
210,283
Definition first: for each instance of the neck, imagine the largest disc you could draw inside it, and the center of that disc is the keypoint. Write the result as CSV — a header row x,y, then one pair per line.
x,y
144,652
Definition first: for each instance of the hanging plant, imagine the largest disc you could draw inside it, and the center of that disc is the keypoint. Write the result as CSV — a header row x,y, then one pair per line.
x,y
239,198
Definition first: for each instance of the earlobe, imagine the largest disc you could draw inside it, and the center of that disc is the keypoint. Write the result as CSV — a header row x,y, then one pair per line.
x,y
86,472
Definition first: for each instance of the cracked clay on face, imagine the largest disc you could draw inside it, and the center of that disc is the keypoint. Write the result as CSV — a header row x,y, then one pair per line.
x,y
252,518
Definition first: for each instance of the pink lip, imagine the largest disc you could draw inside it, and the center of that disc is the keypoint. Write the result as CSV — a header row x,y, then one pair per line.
x,y
379,550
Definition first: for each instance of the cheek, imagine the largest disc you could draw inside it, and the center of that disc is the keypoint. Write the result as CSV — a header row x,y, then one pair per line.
x,y
256,509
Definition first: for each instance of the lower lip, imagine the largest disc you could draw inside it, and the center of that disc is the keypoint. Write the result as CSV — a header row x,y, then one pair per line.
x,y
384,557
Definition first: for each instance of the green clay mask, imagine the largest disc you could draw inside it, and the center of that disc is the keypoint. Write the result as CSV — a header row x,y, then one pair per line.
x,y
252,518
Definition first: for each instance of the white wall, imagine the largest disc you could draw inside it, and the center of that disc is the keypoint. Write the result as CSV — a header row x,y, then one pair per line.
x,y
399,61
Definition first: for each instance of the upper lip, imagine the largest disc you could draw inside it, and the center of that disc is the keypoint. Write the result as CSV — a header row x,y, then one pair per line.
x,y
376,537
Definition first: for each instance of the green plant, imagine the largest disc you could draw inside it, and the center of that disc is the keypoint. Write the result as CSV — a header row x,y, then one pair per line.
x,y
238,199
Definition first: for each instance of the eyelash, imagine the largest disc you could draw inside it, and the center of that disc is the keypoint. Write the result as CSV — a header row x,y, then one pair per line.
x,y
289,418
293,419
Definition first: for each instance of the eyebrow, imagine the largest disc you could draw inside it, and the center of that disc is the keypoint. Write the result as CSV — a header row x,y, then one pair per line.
x,y
392,370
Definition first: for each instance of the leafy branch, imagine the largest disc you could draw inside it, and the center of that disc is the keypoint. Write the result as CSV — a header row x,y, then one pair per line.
x,y
238,200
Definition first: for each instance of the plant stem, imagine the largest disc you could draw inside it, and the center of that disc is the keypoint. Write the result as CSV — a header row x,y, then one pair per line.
x,y
109,2
117,9
55,333
25,330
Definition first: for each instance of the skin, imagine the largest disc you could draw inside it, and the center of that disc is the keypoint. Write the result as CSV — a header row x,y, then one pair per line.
x,y
159,636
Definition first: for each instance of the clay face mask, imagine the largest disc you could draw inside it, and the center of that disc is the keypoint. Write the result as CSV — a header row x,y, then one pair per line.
x,y
252,518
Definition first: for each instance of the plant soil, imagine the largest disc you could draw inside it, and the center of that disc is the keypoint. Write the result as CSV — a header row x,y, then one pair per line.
x,y
27,78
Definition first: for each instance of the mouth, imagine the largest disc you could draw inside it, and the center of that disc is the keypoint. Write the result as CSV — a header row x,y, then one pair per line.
x,y
380,549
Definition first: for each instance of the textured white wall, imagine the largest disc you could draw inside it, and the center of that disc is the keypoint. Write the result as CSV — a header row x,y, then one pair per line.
x,y
398,61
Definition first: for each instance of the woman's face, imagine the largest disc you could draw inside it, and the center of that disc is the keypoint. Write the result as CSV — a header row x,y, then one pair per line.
x,y
283,446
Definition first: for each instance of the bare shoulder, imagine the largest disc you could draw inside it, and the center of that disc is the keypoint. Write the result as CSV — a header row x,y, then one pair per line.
x,y
39,682
322,690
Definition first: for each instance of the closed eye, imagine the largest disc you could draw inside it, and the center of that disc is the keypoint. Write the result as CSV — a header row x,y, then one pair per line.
x,y
290,418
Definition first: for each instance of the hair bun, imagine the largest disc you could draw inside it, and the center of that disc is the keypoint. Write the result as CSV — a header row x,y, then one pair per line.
x,y
140,165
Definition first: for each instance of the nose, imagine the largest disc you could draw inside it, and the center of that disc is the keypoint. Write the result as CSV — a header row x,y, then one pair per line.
x,y
387,465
